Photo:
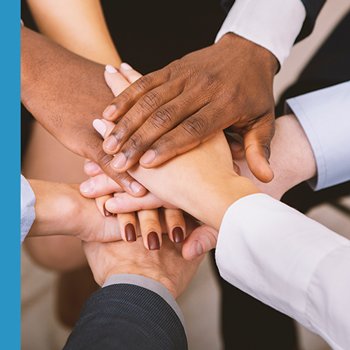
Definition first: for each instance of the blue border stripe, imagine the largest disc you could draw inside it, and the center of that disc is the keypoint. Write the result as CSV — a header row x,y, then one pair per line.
x,y
10,176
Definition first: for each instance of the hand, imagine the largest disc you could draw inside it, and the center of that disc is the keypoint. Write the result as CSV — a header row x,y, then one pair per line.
x,y
292,161
165,266
150,218
195,180
65,92
173,110
61,210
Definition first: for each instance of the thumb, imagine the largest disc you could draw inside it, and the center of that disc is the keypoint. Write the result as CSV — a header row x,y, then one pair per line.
x,y
200,241
257,147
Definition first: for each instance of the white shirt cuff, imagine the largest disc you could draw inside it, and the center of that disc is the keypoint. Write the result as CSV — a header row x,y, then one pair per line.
x,y
27,207
272,24
325,118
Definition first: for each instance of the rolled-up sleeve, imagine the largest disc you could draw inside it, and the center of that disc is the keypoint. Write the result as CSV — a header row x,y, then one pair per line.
x,y
27,207
325,118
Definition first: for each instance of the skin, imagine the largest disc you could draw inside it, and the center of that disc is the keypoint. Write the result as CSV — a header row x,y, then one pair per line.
x,y
165,266
291,165
65,104
77,25
173,110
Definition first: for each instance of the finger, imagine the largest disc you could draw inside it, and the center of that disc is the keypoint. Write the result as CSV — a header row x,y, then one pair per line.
x,y
91,168
257,148
201,240
98,186
115,81
127,225
175,223
139,113
101,205
160,122
126,182
95,153
125,203
129,73
126,99
186,136
150,229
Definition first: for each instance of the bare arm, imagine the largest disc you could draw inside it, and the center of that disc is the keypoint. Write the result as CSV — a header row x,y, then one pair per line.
x,y
65,92
77,25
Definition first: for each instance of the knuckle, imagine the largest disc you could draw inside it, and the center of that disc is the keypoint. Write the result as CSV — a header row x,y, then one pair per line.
x,y
104,159
150,101
143,83
162,118
134,143
209,80
195,126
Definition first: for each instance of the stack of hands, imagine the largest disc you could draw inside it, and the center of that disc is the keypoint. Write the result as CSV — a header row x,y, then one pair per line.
x,y
182,210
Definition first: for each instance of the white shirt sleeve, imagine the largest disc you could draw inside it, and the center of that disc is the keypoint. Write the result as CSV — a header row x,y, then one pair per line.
x,y
325,118
272,24
27,207
290,262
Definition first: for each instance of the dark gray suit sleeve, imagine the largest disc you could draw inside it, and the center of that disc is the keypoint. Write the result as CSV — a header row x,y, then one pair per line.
x,y
127,316
312,7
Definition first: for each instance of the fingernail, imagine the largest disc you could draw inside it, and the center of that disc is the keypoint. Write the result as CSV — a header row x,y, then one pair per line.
x,y
106,212
111,143
110,69
148,157
153,241
178,234
125,66
119,161
99,126
130,233
136,187
91,167
109,111
87,187
197,249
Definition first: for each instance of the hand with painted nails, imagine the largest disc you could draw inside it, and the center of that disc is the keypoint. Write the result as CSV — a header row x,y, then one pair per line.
x,y
173,110
165,266
150,218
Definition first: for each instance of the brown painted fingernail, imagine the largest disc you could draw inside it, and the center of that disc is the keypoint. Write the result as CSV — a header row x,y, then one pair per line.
x,y
153,241
130,233
178,234
106,212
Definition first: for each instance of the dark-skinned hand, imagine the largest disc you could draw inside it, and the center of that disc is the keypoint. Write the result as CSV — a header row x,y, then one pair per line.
x,y
173,110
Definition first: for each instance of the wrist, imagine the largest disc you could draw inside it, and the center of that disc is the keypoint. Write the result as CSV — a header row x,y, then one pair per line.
x,y
265,58
56,209
144,271
216,199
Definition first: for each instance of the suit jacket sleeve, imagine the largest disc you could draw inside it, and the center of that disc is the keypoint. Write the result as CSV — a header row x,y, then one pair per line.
x,y
127,316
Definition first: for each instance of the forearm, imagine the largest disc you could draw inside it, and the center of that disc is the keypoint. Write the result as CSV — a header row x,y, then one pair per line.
x,y
56,209
77,25
58,85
